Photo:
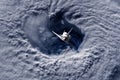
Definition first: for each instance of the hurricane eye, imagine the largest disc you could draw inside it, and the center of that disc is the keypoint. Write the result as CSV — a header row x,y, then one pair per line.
x,y
39,30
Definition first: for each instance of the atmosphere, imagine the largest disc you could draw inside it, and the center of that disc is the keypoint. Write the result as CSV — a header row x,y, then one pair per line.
x,y
59,40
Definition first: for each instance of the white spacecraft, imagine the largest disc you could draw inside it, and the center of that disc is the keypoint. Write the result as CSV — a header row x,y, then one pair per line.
x,y
65,36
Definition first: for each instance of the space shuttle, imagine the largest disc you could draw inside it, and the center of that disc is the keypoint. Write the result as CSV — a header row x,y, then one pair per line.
x,y
65,36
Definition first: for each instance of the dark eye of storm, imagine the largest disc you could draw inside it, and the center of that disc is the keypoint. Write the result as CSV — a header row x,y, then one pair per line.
x,y
59,25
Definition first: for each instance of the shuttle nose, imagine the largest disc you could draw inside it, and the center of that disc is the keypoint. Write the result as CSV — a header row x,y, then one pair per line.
x,y
64,34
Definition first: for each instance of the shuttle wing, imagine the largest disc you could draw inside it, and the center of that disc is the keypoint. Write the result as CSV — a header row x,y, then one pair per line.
x,y
58,35
70,31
